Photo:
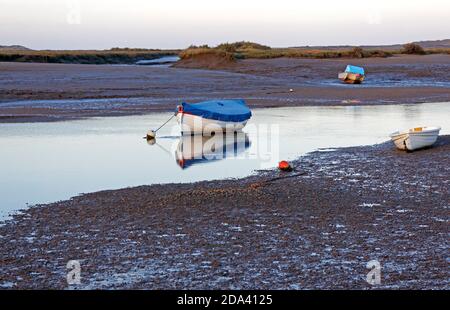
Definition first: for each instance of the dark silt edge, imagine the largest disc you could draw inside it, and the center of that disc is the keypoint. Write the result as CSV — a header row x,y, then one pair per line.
x,y
316,227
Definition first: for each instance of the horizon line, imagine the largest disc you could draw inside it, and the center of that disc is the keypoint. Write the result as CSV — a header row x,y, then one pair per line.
x,y
182,48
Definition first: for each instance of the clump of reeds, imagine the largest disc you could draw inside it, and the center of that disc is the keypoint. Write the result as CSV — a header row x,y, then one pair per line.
x,y
192,52
242,46
413,48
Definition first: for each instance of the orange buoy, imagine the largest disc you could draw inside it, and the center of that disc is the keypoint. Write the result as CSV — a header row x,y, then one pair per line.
x,y
284,166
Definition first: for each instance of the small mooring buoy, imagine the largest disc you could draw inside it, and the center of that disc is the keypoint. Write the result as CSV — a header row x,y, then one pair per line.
x,y
151,141
151,135
284,166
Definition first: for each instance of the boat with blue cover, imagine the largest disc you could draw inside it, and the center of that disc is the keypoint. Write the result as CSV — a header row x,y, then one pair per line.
x,y
352,75
205,117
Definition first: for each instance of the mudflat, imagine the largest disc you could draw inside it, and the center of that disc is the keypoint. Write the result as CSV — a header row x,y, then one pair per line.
x,y
315,227
47,92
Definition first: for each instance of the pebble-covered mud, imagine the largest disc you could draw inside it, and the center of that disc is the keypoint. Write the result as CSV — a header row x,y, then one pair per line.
x,y
315,227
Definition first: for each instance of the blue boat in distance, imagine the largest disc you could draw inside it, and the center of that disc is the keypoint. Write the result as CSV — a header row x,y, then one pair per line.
x,y
354,69
352,75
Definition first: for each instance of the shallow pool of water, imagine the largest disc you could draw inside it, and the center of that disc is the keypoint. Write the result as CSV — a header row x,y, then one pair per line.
x,y
46,162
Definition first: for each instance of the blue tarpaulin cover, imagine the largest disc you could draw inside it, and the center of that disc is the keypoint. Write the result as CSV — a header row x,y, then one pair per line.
x,y
354,69
221,110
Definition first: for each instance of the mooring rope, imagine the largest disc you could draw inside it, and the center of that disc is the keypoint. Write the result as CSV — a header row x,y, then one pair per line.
x,y
165,123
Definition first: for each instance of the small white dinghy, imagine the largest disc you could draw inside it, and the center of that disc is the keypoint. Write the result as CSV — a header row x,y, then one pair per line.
x,y
415,138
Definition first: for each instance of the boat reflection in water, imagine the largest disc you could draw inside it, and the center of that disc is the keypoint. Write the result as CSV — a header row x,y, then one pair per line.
x,y
198,149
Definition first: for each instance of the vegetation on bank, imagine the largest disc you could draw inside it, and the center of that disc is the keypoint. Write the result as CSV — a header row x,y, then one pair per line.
x,y
112,56
227,51
245,50
195,51
413,48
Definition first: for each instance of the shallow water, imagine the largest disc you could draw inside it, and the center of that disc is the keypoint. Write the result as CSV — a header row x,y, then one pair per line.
x,y
386,80
46,162
159,61
386,83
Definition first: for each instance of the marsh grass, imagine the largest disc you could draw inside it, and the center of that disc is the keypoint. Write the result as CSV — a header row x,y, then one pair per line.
x,y
246,50
413,48
112,56
197,51
227,51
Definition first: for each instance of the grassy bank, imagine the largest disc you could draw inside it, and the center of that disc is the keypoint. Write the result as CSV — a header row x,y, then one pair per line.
x,y
246,50
227,51
112,56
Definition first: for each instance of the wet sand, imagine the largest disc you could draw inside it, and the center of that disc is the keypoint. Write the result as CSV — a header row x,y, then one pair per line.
x,y
264,83
316,227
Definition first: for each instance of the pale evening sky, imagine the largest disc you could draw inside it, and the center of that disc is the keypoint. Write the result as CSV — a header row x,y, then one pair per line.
x,y
102,24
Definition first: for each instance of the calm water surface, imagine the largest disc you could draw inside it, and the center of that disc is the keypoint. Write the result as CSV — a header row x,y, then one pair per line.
x,y
46,162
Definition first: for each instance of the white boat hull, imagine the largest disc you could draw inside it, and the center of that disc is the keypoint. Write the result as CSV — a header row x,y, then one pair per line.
x,y
196,148
193,124
415,138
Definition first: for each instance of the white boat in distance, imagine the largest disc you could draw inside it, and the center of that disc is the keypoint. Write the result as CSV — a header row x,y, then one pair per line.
x,y
415,138
213,116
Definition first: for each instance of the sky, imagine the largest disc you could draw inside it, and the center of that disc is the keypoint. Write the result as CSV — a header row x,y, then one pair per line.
x,y
102,24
